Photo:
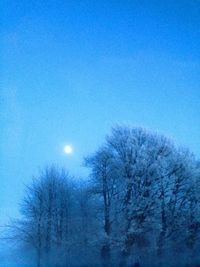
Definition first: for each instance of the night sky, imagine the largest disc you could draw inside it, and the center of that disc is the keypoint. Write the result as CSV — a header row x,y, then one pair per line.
x,y
70,70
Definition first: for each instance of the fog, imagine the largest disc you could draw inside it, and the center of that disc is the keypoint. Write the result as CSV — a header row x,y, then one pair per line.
x,y
140,206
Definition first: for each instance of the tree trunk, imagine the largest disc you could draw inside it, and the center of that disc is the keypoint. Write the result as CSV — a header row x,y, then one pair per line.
x,y
162,235
39,258
105,250
123,259
105,255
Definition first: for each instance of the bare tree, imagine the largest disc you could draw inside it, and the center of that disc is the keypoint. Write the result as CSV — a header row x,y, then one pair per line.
x,y
143,194
151,185
45,218
104,185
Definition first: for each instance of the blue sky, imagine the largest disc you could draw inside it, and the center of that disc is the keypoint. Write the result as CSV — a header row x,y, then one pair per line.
x,y
72,69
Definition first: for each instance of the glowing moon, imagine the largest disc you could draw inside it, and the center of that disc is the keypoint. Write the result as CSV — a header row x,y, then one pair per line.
x,y
68,149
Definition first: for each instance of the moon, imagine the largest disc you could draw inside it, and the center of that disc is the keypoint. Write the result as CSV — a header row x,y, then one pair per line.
x,y
68,149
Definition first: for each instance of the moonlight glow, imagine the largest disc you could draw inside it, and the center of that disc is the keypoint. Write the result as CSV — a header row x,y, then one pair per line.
x,y
68,149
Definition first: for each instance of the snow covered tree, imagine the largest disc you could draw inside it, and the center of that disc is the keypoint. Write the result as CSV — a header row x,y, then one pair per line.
x,y
141,202
45,216
103,184
146,182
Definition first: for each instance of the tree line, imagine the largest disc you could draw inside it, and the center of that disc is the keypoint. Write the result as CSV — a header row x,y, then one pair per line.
x,y
140,206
